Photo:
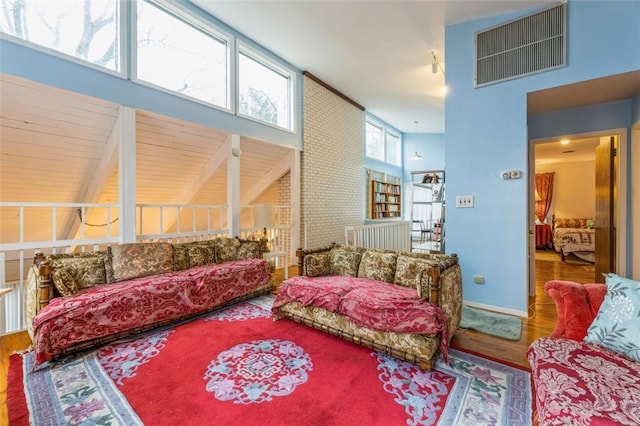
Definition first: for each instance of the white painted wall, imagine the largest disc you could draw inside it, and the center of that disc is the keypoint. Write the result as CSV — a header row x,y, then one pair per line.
x,y
574,189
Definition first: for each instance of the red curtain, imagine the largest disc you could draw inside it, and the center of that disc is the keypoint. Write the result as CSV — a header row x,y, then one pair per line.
x,y
544,187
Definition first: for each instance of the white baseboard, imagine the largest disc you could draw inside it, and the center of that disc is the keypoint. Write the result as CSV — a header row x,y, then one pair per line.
x,y
496,309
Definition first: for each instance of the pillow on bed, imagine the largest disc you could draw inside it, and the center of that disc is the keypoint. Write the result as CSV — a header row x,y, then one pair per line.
x,y
570,223
617,325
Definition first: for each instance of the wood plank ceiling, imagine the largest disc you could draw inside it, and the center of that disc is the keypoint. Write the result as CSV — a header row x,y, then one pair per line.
x,y
57,146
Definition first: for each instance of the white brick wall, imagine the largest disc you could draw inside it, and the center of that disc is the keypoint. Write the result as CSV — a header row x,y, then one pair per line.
x,y
332,166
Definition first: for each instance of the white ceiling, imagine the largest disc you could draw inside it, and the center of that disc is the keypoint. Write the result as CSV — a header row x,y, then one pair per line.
x,y
377,53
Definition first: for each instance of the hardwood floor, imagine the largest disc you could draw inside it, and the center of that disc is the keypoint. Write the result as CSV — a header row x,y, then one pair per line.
x,y
541,322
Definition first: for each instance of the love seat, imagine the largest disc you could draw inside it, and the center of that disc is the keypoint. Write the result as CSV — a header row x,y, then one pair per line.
x,y
588,371
404,304
79,300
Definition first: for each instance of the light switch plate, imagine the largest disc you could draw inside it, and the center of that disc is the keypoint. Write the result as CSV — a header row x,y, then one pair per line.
x,y
464,201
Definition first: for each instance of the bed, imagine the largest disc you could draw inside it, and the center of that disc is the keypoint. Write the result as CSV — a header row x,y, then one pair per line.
x,y
574,236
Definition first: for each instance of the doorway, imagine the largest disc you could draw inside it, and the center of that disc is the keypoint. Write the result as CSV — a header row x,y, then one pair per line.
x,y
580,192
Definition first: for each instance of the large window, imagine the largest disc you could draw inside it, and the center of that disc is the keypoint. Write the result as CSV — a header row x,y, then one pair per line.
x,y
86,30
181,56
265,91
381,144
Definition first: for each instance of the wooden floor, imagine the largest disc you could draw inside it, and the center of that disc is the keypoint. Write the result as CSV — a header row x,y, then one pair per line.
x,y
541,321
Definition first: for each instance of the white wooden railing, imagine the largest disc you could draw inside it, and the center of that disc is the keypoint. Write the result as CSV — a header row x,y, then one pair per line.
x,y
29,228
394,235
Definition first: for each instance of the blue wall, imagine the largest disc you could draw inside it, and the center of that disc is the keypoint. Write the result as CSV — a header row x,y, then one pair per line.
x,y
486,133
429,145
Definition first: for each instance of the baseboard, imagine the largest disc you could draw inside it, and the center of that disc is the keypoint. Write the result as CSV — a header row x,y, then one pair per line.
x,y
496,309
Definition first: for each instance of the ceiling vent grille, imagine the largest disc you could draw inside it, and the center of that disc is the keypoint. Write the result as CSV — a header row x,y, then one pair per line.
x,y
527,45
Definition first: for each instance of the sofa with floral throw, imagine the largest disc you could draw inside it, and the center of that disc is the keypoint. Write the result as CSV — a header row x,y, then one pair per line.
x,y
588,371
404,304
79,300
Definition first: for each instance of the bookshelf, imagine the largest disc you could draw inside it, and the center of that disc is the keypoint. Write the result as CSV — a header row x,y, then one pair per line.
x,y
385,196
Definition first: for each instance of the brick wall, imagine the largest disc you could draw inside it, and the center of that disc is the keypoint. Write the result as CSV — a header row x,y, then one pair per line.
x,y
331,166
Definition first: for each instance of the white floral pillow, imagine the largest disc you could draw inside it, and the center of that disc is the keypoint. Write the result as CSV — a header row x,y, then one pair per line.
x,y
617,325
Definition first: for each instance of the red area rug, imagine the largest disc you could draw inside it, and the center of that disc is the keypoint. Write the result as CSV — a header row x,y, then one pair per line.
x,y
238,366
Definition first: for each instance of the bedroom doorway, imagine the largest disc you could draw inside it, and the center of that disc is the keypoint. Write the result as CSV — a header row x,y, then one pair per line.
x,y
600,156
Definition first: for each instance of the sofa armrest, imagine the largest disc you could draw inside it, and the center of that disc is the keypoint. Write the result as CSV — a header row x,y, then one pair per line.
x,y
302,253
443,287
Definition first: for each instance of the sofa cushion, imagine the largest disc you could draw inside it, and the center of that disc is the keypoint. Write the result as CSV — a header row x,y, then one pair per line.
x,y
200,254
344,261
617,325
316,265
87,269
249,250
181,256
576,305
64,282
378,266
141,259
226,249
579,383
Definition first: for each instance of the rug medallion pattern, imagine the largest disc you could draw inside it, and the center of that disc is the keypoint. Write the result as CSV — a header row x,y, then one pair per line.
x,y
257,371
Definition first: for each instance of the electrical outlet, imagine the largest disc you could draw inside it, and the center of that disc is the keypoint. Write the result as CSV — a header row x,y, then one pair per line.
x,y
478,279
464,201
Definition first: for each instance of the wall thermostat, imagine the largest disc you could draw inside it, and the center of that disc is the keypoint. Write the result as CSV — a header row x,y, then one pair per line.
x,y
515,174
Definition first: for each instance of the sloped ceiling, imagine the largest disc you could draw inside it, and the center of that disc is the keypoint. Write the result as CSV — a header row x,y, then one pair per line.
x,y
61,147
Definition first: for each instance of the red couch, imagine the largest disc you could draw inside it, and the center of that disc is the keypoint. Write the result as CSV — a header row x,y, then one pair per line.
x,y
576,382
102,296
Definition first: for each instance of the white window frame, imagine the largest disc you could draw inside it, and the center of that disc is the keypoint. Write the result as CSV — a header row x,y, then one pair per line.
x,y
123,13
188,17
386,130
245,49
388,133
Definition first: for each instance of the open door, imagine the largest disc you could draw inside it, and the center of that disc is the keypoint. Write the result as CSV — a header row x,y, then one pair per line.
x,y
605,202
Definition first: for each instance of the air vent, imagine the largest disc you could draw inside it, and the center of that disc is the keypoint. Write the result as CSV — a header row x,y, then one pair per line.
x,y
527,45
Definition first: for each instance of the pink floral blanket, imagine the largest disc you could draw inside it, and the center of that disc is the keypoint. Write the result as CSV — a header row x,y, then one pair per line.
x,y
113,308
367,303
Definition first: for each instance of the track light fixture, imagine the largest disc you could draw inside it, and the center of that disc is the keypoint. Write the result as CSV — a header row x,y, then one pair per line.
x,y
435,64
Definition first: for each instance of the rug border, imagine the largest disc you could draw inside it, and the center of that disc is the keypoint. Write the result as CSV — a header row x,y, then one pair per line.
x,y
17,410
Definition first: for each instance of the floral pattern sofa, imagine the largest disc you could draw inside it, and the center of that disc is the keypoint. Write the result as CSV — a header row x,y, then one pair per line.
x,y
408,305
79,300
588,371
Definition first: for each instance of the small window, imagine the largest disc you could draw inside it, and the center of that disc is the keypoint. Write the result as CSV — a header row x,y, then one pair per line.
x,y
393,149
374,142
265,91
86,30
180,56
381,144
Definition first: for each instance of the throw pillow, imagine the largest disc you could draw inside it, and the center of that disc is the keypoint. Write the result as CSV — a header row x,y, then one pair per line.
x,y
136,260
576,305
249,250
201,255
617,325
344,261
226,249
378,266
181,256
64,282
316,265
86,270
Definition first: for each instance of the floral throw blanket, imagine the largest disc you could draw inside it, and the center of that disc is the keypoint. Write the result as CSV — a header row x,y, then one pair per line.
x,y
113,308
368,303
